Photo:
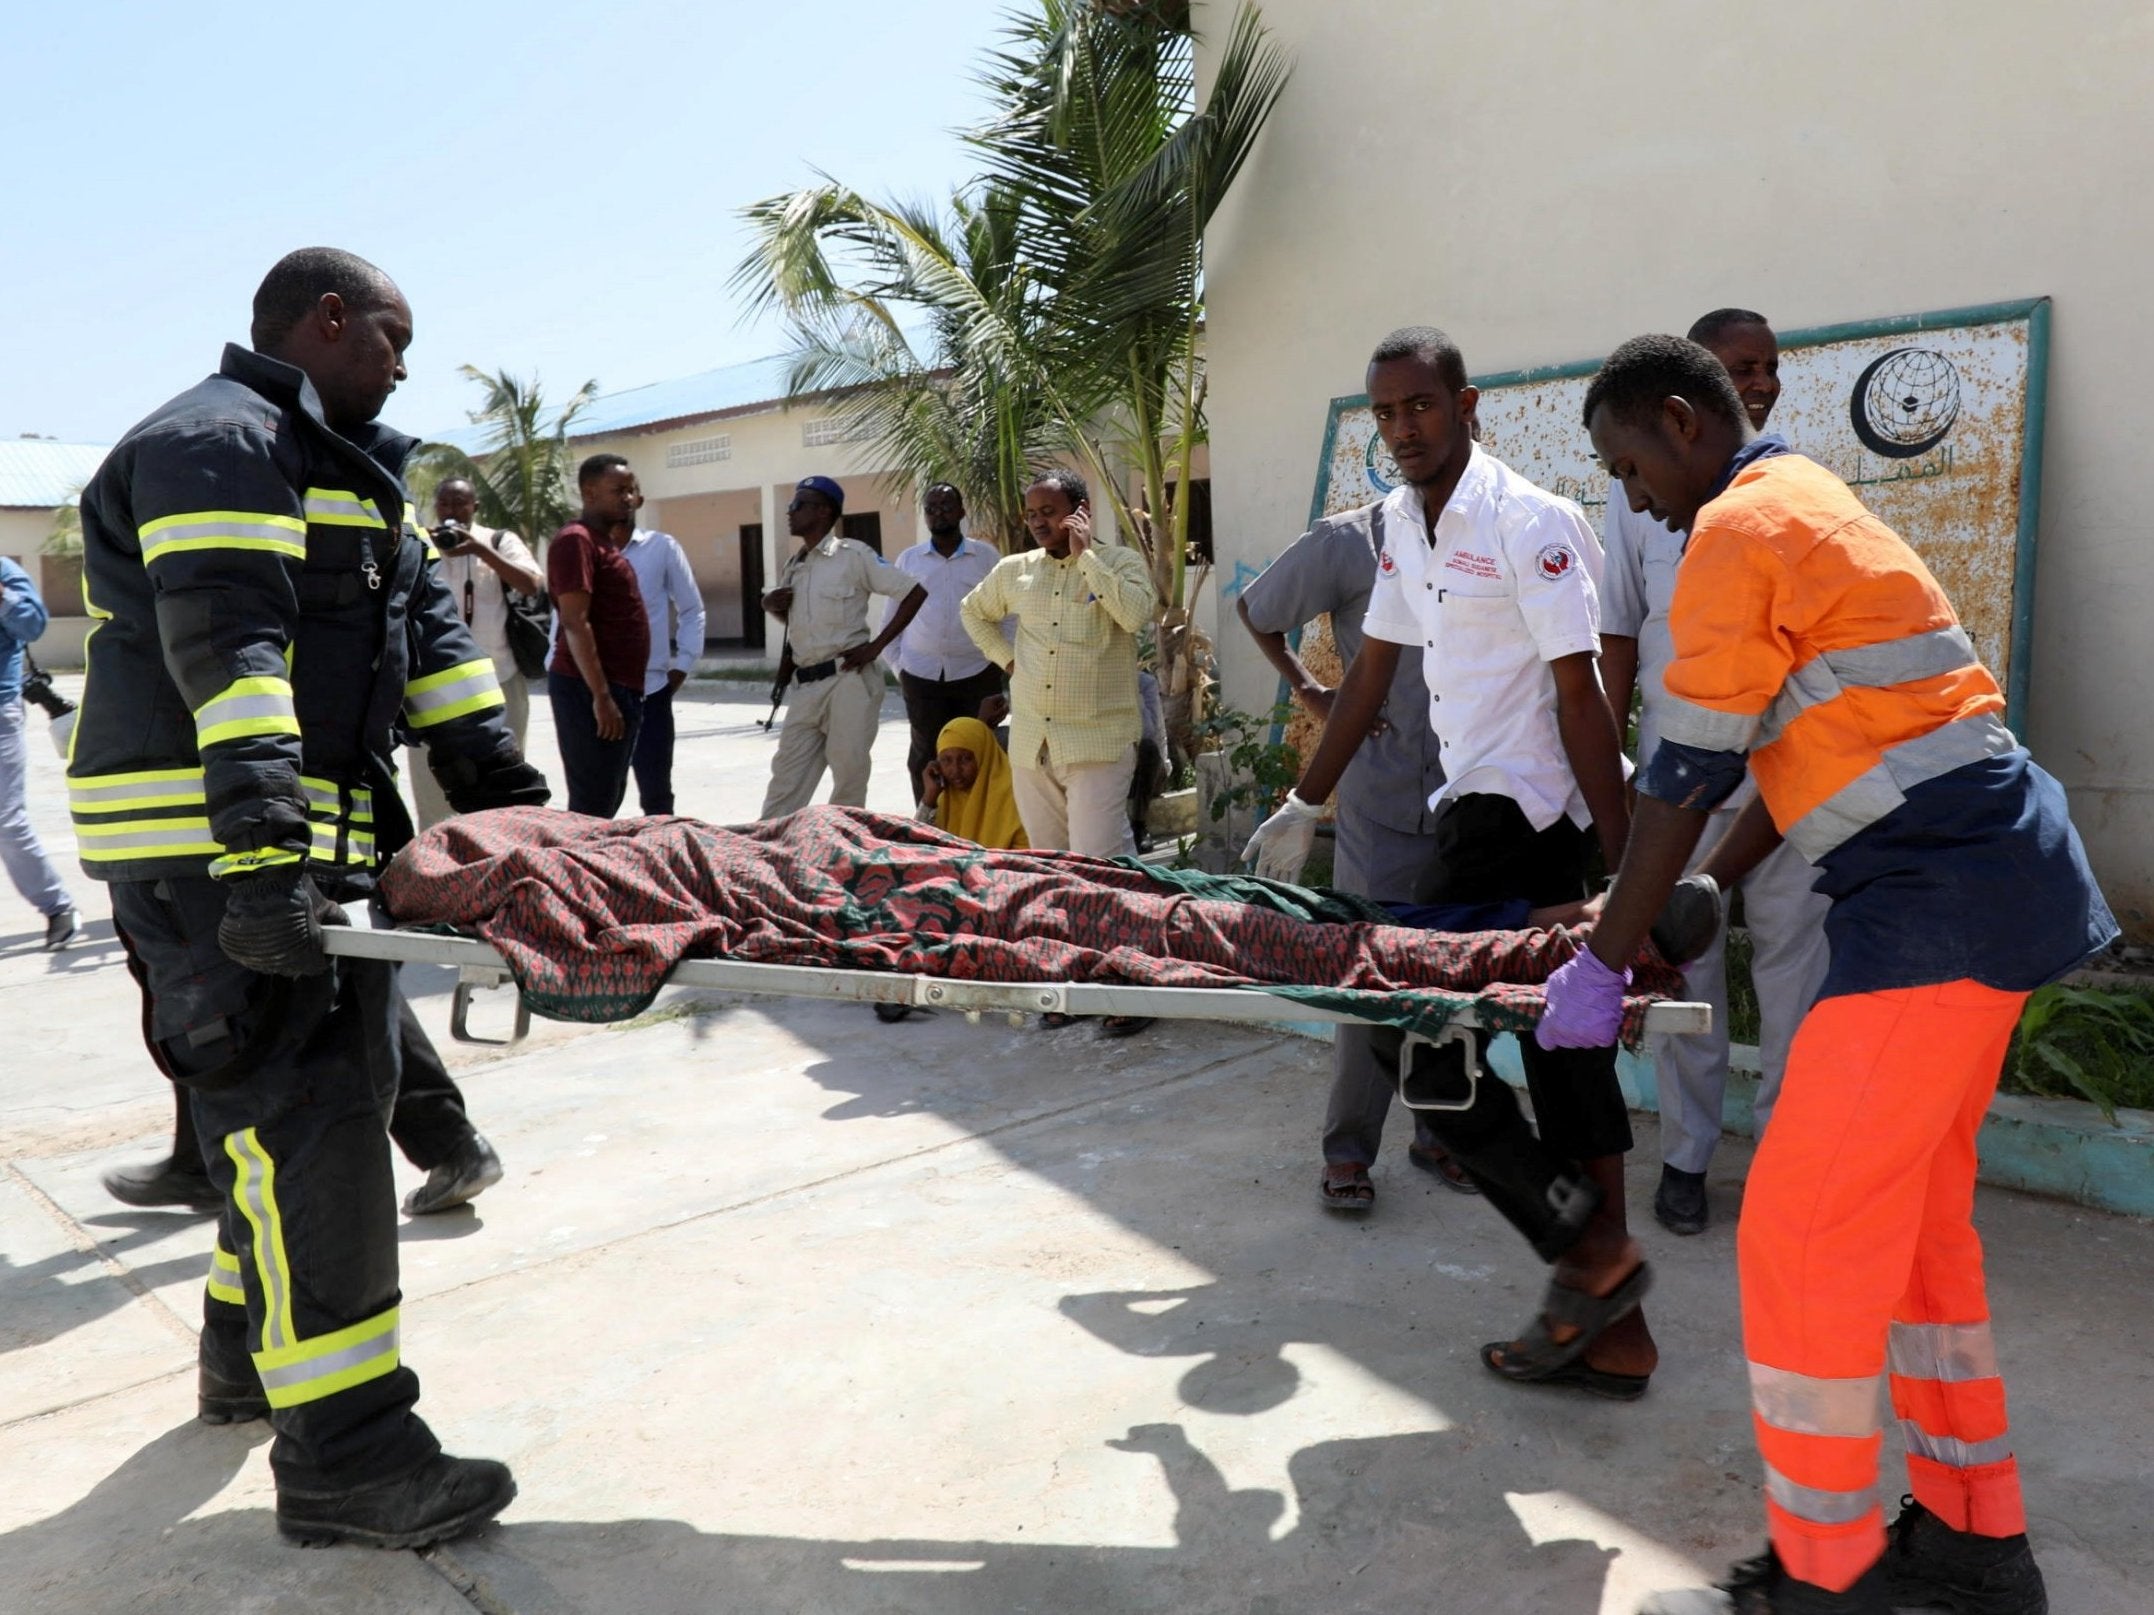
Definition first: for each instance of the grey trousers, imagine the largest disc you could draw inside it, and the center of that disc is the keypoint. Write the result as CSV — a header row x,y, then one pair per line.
x,y
1370,860
20,850
1788,956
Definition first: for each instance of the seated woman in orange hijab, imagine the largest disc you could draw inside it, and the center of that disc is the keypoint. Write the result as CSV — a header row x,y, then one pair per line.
x,y
966,790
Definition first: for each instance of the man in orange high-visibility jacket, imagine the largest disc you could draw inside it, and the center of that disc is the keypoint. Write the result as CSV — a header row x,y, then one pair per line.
x,y
1813,646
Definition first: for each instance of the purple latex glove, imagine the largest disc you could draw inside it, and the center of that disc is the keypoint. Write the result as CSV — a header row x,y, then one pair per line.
x,y
1585,1005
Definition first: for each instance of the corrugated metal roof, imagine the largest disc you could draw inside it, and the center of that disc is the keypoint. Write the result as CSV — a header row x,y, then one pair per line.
x,y
711,392
38,475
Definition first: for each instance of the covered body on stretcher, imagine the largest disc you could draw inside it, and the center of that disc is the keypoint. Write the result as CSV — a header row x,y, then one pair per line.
x,y
592,917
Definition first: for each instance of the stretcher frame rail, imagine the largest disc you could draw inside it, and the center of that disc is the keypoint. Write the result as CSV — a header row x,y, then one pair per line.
x,y
478,967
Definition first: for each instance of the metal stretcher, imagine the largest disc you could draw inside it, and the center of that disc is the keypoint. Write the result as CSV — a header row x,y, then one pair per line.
x,y
478,967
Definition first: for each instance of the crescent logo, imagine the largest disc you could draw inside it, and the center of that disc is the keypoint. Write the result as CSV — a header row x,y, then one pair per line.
x,y
1555,562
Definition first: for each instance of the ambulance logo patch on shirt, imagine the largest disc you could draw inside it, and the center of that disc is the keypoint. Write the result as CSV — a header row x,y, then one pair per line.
x,y
1555,562
1385,564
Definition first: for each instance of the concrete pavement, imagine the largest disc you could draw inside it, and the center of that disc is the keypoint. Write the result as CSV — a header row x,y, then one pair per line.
x,y
781,1309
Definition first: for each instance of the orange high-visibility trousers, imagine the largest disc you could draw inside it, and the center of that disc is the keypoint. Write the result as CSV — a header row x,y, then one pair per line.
x,y
1858,1253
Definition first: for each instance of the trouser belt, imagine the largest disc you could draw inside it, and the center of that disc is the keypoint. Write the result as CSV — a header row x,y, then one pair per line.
x,y
815,672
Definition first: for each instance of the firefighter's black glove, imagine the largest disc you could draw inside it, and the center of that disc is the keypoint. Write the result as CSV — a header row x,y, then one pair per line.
x,y
505,781
273,922
1690,921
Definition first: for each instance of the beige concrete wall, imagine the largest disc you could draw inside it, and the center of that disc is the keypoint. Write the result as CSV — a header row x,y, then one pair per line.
x,y
1544,180
714,500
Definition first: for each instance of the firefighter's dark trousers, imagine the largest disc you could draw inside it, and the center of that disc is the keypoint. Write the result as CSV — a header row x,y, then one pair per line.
x,y
1485,851
291,1084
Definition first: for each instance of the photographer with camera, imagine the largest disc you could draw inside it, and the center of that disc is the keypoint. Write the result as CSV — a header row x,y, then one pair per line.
x,y
480,567
22,619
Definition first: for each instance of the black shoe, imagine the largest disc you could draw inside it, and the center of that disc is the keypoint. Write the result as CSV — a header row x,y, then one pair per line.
x,y
469,1172
163,1183
1762,1586
1930,1565
61,929
1679,1203
445,1497
1689,921
889,1013
220,1400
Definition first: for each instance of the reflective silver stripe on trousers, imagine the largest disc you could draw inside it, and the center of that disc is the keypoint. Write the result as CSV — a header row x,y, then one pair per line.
x,y
1816,1505
1805,1406
335,1362
1870,795
1951,1352
1951,1451
1689,724
1872,667
254,1168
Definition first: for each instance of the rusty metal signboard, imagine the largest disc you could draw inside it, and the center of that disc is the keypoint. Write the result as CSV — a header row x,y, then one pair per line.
x,y
1934,419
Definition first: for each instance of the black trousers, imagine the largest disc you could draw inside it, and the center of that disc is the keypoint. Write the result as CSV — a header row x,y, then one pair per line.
x,y
290,1085
1486,851
654,754
931,703
428,1121
596,770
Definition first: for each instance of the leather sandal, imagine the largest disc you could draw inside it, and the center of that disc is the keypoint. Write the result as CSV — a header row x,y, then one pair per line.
x,y
1443,1166
1354,1193
1536,1355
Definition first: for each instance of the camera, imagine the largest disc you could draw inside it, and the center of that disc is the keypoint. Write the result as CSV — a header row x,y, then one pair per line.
x,y
450,534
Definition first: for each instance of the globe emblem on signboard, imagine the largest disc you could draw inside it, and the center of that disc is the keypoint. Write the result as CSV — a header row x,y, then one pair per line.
x,y
1905,402
1381,470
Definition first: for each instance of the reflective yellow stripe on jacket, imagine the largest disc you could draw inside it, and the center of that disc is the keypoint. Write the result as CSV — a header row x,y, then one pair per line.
x,y
164,813
452,693
196,530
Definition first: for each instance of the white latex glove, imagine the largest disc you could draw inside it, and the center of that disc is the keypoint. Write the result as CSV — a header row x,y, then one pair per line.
x,y
1282,842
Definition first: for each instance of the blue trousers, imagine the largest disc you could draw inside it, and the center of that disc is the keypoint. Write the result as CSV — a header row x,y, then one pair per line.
x,y
597,770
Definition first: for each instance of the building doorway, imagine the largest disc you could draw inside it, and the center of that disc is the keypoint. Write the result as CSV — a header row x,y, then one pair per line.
x,y
752,621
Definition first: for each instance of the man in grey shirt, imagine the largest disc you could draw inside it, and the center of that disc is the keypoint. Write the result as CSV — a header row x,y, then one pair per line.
x,y
1385,830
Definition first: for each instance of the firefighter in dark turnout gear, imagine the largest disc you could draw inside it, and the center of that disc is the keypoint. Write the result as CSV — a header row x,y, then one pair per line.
x,y
266,628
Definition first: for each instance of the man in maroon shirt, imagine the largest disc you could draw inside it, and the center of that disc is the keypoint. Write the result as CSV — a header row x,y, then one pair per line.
x,y
595,680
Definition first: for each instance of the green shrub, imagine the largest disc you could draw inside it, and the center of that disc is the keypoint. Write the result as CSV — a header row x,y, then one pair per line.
x,y
1261,770
2091,1043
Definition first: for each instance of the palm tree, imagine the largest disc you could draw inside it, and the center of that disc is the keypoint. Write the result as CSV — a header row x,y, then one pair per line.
x,y
925,326
522,474
1062,303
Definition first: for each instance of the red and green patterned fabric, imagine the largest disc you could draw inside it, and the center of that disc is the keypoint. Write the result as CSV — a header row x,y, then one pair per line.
x,y
592,916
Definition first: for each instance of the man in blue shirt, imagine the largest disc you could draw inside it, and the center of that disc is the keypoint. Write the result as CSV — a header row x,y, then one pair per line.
x,y
22,619
674,606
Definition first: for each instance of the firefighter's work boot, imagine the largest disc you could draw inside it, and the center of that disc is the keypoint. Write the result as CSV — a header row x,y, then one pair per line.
x,y
443,1498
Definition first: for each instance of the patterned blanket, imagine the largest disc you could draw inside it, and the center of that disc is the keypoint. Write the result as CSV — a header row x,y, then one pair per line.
x,y
592,916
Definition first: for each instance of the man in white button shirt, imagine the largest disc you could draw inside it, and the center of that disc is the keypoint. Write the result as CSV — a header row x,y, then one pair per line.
x,y
1785,918
674,606
1491,580
940,670
478,565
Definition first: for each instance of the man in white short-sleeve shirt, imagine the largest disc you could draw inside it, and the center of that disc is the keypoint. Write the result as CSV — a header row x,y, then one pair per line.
x,y
1491,579
478,566
1785,919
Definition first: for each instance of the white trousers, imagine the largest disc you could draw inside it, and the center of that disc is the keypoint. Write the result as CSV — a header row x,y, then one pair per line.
x,y
1077,807
1788,956
426,795
830,723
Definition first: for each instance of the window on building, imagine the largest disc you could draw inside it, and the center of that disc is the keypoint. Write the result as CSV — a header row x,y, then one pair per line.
x,y
867,527
820,434
702,451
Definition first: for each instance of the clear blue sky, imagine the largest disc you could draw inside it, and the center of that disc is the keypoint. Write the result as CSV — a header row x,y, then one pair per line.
x,y
555,187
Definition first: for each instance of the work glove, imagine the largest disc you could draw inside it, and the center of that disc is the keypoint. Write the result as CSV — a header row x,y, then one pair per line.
x,y
1689,921
509,782
273,922
1585,1005
1281,844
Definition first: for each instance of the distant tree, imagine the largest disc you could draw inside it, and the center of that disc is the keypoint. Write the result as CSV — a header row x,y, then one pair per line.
x,y
524,472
